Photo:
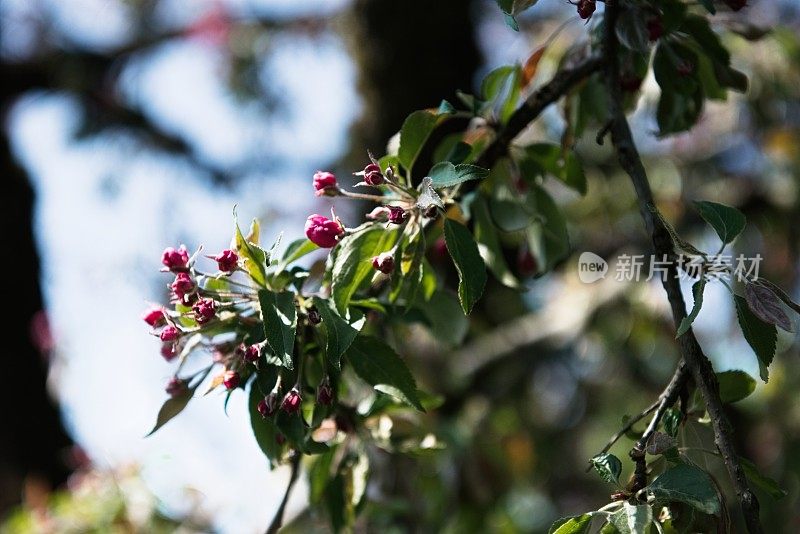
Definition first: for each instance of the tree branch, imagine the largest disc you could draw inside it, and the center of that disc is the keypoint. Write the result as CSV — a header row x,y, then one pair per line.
x,y
533,106
277,521
690,349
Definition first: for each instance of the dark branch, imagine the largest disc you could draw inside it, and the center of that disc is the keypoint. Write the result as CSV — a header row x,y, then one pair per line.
x,y
277,521
692,353
533,106
665,401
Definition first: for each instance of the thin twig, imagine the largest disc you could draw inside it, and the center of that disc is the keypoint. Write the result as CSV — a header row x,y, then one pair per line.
x,y
690,349
277,521
534,105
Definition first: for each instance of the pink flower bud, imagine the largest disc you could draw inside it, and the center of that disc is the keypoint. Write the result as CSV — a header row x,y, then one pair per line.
x,y
325,184
325,393
154,316
268,405
182,286
292,401
175,387
655,28
322,231
169,351
227,261
204,310
373,174
251,354
170,333
230,379
397,215
175,260
383,262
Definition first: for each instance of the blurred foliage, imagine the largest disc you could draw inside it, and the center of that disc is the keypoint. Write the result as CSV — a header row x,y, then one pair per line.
x,y
101,501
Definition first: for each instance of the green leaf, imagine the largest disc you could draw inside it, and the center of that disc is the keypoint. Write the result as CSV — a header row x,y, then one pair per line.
x,y
578,524
468,261
340,333
500,89
632,30
171,407
780,293
489,244
728,222
447,324
540,159
279,315
264,430
445,107
413,135
319,474
353,262
764,483
672,421
766,305
254,258
445,174
380,366
548,238
735,385
608,467
697,292
175,405
632,519
687,484
296,250
761,336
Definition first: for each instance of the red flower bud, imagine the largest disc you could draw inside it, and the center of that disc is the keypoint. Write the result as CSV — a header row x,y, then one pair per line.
x,y
169,351
630,83
526,263
175,260
204,310
251,354
230,379
227,261
175,387
154,316
292,401
322,231
586,8
268,405
373,174
314,317
182,286
170,333
383,262
325,184
280,439
397,215
325,393
655,28
685,68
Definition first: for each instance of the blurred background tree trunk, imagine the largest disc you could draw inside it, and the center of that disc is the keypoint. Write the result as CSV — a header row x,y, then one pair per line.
x,y
33,442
